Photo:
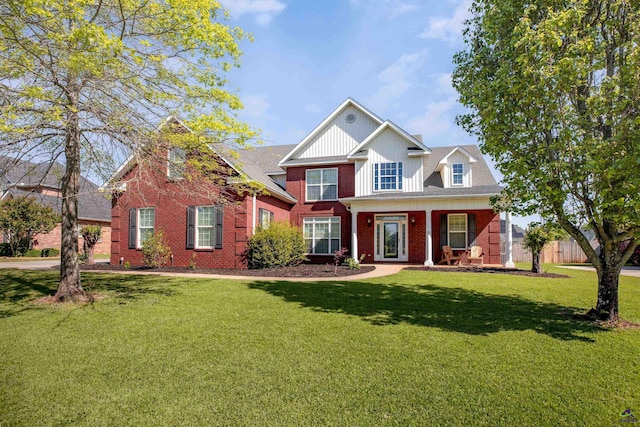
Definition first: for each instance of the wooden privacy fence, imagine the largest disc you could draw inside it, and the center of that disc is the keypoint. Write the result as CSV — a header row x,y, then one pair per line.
x,y
558,252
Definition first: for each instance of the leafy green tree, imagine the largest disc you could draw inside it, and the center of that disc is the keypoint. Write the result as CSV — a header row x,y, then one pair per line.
x,y
92,80
552,92
538,236
22,218
91,235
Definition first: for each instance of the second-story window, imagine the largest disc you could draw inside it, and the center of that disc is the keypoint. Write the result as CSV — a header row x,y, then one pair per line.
x,y
387,176
322,184
175,166
457,171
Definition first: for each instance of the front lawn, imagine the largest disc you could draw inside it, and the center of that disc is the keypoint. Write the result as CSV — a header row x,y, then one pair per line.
x,y
418,348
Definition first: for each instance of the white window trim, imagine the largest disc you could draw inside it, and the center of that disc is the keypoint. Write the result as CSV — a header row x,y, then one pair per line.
x,y
139,210
269,215
399,177
466,227
197,228
454,174
323,220
306,184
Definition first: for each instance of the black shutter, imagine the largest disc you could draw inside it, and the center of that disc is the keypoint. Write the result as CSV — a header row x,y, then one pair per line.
x,y
218,212
133,216
191,227
444,233
471,230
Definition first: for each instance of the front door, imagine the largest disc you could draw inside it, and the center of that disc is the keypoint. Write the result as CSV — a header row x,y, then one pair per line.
x,y
391,238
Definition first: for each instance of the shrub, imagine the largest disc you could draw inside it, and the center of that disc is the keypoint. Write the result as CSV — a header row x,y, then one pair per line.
x,y
280,245
91,235
49,252
33,253
155,250
5,249
338,258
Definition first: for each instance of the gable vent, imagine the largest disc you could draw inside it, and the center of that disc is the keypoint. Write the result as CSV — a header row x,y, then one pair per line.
x,y
350,118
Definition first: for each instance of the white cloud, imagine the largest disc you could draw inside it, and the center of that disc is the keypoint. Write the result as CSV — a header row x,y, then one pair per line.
x,y
448,29
313,108
396,79
255,105
264,10
397,8
436,119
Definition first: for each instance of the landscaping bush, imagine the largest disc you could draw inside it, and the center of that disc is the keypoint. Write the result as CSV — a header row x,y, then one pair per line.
x,y
49,252
5,249
32,253
156,251
280,245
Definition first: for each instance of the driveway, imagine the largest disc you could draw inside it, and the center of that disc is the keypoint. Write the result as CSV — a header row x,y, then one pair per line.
x,y
626,271
45,264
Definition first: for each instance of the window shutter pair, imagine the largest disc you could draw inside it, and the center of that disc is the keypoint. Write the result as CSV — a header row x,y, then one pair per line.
x,y
191,227
471,230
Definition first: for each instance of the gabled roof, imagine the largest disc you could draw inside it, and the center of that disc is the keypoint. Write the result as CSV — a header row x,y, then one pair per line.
x,y
481,174
347,103
388,124
457,149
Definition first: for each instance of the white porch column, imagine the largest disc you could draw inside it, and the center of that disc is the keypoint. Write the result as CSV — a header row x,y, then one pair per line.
x,y
354,236
429,241
509,243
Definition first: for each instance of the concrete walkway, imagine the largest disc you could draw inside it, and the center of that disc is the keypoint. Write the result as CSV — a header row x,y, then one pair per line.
x,y
379,271
626,271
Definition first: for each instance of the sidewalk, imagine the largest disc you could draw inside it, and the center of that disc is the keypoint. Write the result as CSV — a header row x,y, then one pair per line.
x,y
379,271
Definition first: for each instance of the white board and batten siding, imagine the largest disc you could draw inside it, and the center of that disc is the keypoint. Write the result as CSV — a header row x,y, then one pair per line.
x,y
339,137
389,147
449,204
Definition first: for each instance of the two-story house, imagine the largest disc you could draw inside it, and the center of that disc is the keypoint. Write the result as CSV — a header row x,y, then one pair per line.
x,y
354,181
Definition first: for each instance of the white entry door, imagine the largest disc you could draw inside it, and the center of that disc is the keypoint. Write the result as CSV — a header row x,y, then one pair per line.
x,y
391,238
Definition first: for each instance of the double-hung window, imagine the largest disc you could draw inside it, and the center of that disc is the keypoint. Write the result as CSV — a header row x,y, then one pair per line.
x,y
146,224
175,166
322,184
205,222
457,231
204,227
322,235
265,217
387,176
457,171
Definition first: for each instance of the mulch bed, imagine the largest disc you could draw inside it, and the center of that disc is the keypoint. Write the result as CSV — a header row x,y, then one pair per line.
x,y
490,270
303,270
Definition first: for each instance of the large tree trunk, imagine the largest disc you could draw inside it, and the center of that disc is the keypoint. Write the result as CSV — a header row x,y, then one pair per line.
x,y
70,287
535,263
608,276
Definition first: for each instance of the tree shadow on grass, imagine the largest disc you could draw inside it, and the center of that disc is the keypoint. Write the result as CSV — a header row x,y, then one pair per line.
x,y
450,309
20,288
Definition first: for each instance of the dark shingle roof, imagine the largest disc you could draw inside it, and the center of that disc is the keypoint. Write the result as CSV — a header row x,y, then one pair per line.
x,y
22,178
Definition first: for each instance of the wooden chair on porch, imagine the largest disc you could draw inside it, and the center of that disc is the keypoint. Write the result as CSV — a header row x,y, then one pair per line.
x,y
448,257
475,255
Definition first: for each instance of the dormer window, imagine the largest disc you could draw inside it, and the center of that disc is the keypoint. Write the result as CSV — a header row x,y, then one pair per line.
x,y
175,166
457,172
387,176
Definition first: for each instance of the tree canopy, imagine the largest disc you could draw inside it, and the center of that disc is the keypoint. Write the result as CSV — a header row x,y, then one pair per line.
x,y
93,79
553,95
22,218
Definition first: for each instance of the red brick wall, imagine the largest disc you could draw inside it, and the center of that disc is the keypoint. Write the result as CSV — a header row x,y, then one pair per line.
x,y
170,200
296,186
487,234
52,238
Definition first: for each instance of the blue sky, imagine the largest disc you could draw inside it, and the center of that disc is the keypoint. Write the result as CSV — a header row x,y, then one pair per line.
x,y
307,57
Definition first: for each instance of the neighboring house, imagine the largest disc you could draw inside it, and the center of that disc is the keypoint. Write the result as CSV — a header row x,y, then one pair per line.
x,y
355,181
41,181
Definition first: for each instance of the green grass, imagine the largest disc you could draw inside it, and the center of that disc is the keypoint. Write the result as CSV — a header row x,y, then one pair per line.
x,y
418,348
